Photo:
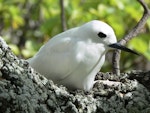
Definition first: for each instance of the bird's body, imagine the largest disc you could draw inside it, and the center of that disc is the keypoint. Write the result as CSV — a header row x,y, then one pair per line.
x,y
73,58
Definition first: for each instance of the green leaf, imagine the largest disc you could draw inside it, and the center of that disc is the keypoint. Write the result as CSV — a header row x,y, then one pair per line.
x,y
15,49
141,44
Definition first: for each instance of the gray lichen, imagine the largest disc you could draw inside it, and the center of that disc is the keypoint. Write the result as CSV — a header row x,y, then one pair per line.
x,y
23,90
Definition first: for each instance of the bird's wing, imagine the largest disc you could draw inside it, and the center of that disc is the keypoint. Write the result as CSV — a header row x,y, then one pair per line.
x,y
56,58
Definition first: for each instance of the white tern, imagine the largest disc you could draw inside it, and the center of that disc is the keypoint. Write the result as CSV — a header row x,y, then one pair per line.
x,y
74,57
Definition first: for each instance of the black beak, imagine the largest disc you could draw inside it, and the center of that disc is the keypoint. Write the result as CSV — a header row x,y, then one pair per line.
x,y
119,46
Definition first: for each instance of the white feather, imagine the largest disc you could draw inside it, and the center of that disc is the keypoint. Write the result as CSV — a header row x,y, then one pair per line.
x,y
73,58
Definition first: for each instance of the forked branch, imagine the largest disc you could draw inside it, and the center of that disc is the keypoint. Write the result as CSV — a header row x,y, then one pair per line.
x,y
134,32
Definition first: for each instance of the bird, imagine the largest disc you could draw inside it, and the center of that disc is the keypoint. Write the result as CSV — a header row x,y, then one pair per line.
x,y
74,57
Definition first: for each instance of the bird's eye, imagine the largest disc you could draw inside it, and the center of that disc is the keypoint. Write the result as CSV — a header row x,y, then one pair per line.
x,y
101,35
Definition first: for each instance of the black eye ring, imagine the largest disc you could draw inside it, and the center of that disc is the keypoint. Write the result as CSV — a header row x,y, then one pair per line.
x,y
102,35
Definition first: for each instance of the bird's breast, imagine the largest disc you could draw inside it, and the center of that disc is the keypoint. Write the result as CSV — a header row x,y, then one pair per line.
x,y
89,55
89,52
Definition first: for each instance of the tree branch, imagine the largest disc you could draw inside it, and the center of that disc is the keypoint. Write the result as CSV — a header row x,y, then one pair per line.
x,y
23,90
63,19
134,32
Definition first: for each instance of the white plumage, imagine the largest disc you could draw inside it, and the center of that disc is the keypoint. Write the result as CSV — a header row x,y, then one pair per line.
x,y
74,57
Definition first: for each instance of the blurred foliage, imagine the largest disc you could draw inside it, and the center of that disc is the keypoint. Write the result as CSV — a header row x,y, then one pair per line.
x,y
27,24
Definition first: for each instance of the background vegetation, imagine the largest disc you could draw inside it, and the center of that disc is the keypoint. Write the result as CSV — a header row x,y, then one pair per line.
x,y
27,24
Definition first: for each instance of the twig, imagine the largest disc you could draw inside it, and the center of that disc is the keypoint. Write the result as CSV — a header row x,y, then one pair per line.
x,y
63,19
134,32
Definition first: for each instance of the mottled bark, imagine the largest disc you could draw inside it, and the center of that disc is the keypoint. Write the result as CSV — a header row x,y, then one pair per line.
x,y
22,90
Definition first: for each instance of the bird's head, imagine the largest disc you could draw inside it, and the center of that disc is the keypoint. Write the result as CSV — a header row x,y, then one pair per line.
x,y
100,32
